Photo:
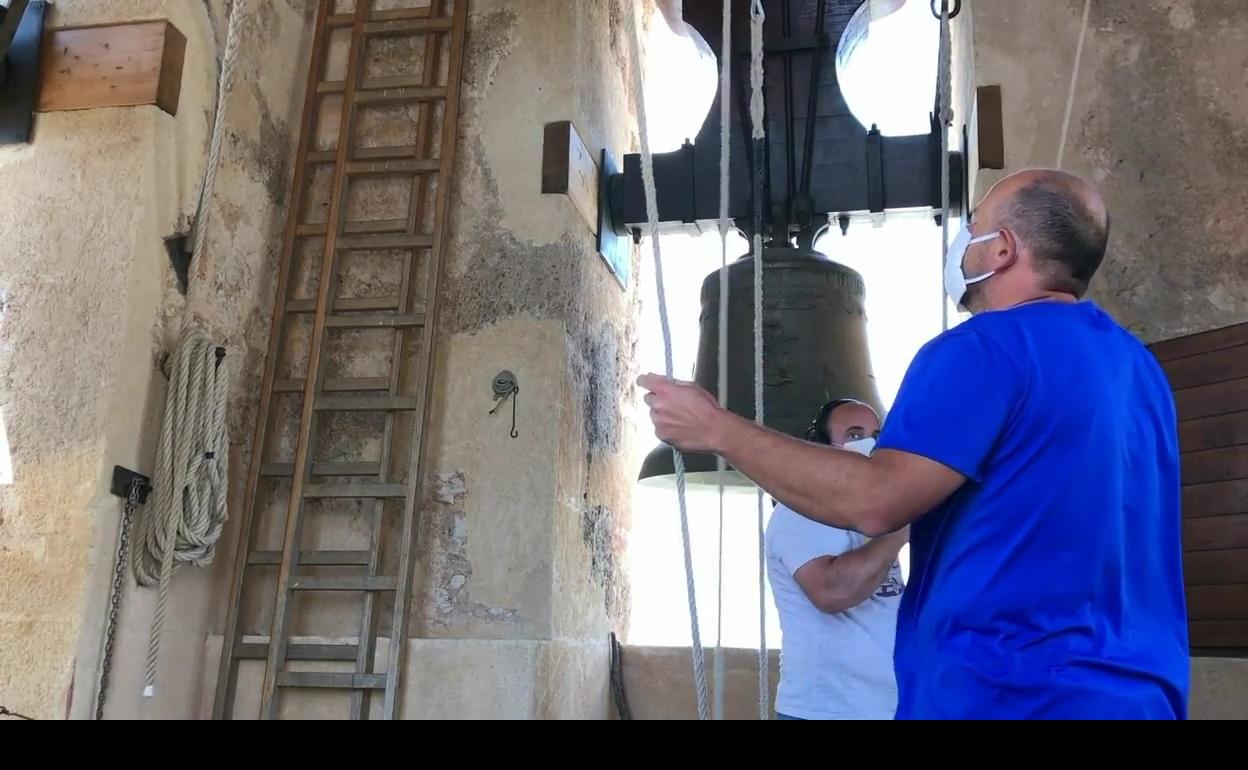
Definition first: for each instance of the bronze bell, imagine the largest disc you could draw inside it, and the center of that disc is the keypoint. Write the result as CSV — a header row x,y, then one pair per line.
x,y
814,350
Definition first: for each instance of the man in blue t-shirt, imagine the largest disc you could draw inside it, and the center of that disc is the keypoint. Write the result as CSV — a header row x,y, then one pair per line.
x,y
1034,452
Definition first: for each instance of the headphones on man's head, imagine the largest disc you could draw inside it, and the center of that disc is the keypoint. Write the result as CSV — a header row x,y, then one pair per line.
x,y
817,433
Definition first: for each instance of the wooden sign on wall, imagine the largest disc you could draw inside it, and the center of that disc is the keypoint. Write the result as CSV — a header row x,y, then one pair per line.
x,y
120,65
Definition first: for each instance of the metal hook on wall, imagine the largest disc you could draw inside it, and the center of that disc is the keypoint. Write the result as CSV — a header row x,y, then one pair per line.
x,y
505,386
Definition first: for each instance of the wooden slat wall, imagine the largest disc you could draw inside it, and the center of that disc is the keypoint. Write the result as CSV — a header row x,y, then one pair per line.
x,y
1209,373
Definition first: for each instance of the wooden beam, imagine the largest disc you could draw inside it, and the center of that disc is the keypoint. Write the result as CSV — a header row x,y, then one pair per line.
x,y
1204,342
568,168
120,65
1218,499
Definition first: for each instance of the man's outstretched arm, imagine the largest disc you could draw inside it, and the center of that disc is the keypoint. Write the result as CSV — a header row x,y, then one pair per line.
x,y
874,496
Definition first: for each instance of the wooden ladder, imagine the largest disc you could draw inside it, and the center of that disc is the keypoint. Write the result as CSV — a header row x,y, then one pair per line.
x,y
374,74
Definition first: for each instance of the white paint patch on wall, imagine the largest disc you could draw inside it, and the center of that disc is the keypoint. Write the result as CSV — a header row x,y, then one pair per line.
x,y
6,457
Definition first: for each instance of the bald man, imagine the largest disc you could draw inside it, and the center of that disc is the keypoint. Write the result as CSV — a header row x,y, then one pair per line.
x,y
1034,451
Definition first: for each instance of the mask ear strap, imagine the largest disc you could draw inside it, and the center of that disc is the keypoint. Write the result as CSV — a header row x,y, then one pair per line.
x,y
987,239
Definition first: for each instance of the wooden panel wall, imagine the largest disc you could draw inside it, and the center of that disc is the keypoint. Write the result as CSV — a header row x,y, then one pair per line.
x,y
1209,373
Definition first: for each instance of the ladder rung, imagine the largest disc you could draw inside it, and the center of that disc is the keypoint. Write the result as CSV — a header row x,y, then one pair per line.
x,y
385,153
388,95
366,153
393,81
300,583
376,321
316,680
373,167
372,84
286,470
300,652
311,558
380,91
347,305
312,230
382,242
347,19
389,226
407,26
377,226
355,492
419,12
365,404
338,385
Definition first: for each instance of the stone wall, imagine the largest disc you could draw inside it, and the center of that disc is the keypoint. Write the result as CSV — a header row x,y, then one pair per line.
x,y
88,308
519,558
659,685
1159,122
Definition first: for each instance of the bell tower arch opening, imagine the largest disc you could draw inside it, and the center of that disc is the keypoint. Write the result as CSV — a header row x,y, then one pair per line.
x,y
884,65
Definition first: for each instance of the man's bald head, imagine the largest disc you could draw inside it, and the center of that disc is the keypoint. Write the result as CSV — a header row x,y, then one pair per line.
x,y
1060,219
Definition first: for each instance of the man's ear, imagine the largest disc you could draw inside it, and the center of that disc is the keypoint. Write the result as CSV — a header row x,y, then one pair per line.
x,y
1006,251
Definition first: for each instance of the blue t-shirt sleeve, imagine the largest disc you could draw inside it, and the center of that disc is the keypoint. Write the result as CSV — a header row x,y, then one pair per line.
x,y
956,401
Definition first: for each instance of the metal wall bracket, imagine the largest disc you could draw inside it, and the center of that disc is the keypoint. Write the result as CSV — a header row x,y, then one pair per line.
x,y
178,248
122,480
19,69
614,247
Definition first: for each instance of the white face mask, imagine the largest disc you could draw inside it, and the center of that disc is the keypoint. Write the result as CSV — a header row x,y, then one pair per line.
x,y
863,446
956,281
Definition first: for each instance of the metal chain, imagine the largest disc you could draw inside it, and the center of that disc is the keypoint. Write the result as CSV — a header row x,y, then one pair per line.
x,y
114,601
4,712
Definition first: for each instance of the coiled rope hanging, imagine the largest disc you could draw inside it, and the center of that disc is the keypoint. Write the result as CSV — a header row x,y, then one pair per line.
x,y
189,507
188,511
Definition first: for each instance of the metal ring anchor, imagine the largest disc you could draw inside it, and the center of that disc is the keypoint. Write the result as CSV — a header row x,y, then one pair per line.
x,y
505,387
944,6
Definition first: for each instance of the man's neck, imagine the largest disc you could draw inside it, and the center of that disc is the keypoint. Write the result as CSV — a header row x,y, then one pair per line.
x,y
1030,298
1049,296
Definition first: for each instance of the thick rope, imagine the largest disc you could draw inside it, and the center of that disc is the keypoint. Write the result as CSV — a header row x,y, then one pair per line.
x,y
188,511
725,227
758,107
758,117
678,460
1074,85
719,674
225,83
944,93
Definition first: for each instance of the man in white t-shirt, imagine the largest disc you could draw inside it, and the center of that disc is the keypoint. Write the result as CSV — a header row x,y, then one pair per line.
x,y
838,594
